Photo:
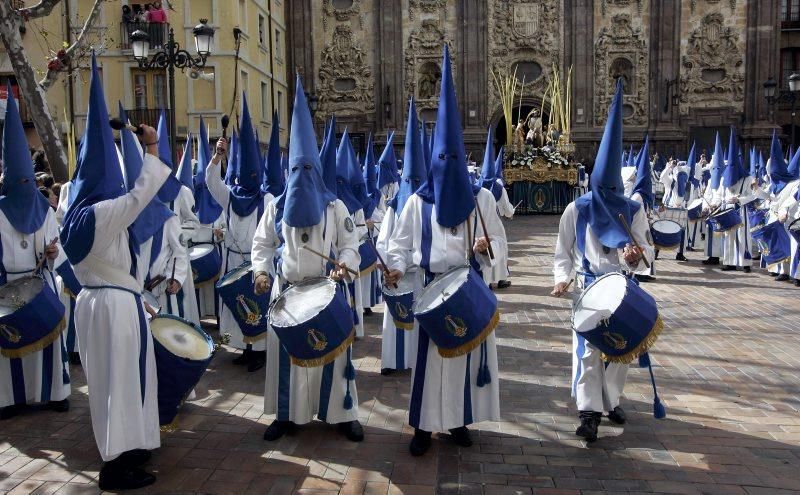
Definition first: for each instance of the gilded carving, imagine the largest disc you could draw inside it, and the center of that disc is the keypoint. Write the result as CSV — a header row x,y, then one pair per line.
x,y
427,6
712,68
346,80
422,58
621,51
540,172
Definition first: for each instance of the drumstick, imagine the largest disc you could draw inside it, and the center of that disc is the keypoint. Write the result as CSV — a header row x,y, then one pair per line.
x,y
172,277
517,205
630,234
365,225
483,226
380,258
44,254
328,258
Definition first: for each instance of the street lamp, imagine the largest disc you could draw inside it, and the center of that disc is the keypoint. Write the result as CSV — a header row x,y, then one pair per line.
x,y
770,90
173,56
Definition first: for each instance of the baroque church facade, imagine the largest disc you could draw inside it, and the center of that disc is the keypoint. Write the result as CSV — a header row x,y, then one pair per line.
x,y
690,67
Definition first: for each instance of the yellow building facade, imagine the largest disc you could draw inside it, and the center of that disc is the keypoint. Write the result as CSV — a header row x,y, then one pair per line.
x,y
257,68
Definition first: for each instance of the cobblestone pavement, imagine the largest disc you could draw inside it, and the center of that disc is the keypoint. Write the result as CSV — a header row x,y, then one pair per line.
x,y
727,368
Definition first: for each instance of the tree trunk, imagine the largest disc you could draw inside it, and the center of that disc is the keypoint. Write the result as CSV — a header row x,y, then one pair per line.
x,y
33,93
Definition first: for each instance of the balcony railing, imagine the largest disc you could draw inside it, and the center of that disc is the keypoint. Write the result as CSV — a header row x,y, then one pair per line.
x,y
157,33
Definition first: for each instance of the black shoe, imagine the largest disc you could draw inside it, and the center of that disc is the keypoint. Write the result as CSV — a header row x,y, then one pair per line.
x,y
58,405
797,283
588,428
278,429
655,257
689,248
461,436
420,443
746,269
257,361
9,412
117,476
503,284
728,268
782,278
387,371
135,457
617,416
367,311
644,278
74,359
773,274
711,261
702,237
681,257
352,430
243,359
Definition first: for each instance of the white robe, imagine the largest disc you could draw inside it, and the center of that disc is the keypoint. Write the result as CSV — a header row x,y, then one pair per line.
x,y
675,204
360,286
109,327
736,242
713,242
438,390
238,240
206,294
183,206
370,283
173,252
44,374
787,204
595,387
67,299
293,393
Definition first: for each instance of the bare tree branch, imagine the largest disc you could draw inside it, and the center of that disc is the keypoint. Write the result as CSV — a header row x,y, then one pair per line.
x,y
53,72
41,9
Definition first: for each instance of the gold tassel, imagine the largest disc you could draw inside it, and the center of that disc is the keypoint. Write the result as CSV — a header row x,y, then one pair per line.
x,y
169,427
723,232
474,343
327,358
38,345
774,265
662,248
404,326
252,340
643,346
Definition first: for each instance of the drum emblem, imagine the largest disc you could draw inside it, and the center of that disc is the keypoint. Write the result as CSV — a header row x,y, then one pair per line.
x,y
455,326
10,334
401,309
248,310
615,340
316,340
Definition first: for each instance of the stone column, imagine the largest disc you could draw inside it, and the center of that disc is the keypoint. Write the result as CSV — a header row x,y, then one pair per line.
x,y
761,59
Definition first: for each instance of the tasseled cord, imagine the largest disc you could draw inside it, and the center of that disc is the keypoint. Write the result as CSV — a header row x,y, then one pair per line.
x,y
659,411
484,376
349,375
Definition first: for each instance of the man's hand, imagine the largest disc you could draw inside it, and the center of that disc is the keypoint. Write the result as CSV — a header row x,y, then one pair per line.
x,y
173,286
339,272
560,289
51,250
220,151
262,284
782,216
632,254
219,234
149,138
481,245
392,277
152,312
370,224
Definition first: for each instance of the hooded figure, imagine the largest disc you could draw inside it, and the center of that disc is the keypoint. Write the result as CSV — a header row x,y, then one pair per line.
x,y
736,193
208,210
116,345
388,175
183,205
327,156
437,231
170,190
370,177
350,193
712,198
734,170
644,177
185,173
488,178
232,171
246,195
414,169
427,142
717,165
778,174
306,215
691,162
273,170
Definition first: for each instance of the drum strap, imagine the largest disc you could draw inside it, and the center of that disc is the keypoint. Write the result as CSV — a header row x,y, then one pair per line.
x,y
112,274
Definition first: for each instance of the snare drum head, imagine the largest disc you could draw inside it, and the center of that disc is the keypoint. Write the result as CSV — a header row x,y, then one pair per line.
x,y
301,302
180,338
666,226
18,293
599,301
440,289
404,285
199,250
695,204
235,274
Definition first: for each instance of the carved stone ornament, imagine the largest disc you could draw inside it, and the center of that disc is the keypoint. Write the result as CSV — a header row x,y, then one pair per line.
x,y
619,3
693,4
346,81
427,6
422,63
712,70
341,14
621,51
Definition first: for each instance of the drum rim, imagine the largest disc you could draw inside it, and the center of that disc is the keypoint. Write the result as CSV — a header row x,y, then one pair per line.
x,y
303,282
586,289
226,277
666,220
418,299
25,278
796,220
211,245
194,327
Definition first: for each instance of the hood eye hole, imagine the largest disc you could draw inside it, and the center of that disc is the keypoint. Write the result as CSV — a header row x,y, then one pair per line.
x,y
307,166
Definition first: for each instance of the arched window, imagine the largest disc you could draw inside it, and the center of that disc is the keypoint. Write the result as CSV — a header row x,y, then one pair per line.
x,y
623,68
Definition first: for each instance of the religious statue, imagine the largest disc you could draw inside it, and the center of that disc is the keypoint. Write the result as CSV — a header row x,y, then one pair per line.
x,y
535,135
519,136
429,80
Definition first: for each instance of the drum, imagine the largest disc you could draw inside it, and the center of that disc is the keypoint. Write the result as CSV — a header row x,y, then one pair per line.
x,y
666,234
151,300
183,352
617,317
399,301
71,284
725,220
313,321
695,210
794,230
457,310
369,259
31,316
237,291
773,242
206,262
757,218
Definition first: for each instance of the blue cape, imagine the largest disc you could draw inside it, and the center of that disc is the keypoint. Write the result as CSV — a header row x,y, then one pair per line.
x,y
246,195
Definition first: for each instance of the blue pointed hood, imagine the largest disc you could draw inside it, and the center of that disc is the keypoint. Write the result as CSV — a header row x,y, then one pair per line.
x,y
273,175
370,174
426,146
185,173
449,186
306,197
602,206
498,166
691,162
169,191
752,162
208,210
346,162
232,170
414,169
762,167
98,175
387,164
152,218
488,171
734,170
644,176
779,176
794,166
328,157
633,159
717,164
246,195
21,201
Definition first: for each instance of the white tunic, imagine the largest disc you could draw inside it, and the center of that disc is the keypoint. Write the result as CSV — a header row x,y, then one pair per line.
x,y
736,242
183,206
206,298
65,296
173,252
595,387
109,327
40,376
238,240
293,393
438,401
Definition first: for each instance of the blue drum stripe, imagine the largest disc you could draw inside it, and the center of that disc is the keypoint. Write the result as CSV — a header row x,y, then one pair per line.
x,y
284,383
18,381
468,392
325,390
47,372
